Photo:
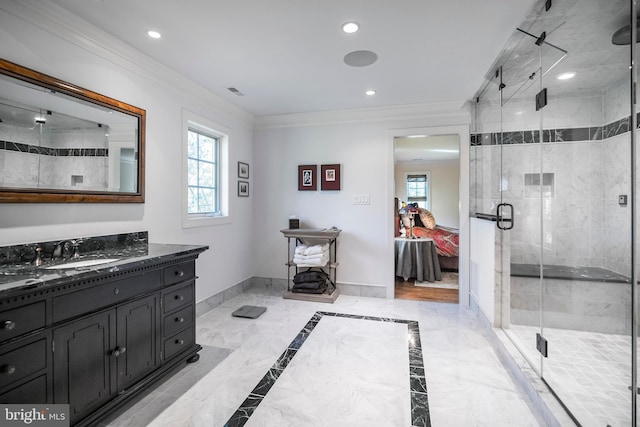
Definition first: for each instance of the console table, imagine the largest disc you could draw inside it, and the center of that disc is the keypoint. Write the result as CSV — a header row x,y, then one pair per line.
x,y
417,258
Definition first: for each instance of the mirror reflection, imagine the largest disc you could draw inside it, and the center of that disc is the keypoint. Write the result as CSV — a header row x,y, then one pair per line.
x,y
54,141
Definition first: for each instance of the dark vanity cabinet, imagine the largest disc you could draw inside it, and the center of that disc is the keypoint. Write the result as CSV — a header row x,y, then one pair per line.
x,y
96,342
102,354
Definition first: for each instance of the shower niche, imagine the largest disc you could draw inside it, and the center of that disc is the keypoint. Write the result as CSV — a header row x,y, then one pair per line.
x,y
553,135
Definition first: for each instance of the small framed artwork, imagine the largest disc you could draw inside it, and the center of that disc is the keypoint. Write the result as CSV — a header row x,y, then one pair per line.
x,y
307,177
243,189
330,177
243,170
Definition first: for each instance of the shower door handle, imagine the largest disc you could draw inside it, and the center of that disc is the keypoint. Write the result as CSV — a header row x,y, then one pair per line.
x,y
504,222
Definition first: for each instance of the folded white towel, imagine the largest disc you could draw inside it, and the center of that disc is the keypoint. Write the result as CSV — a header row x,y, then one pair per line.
x,y
300,249
313,260
317,249
312,257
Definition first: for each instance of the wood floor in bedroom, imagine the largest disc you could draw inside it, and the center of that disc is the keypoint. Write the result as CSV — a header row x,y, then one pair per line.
x,y
408,290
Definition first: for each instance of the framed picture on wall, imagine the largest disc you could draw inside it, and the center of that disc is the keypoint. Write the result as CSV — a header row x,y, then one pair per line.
x,y
330,177
307,177
243,189
243,170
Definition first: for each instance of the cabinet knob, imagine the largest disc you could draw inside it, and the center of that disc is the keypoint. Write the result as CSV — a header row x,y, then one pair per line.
x,y
116,291
8,324
179,297
179,342
8,369
118,351
179,319
179,273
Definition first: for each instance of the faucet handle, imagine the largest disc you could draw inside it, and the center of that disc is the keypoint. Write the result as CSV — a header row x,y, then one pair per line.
x,y
37,259
76,247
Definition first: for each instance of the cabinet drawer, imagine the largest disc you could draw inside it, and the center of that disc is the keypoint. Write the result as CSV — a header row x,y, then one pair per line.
x,y
31,392
178,342
97,297
177,298
22,320
23,361
176,321
179,273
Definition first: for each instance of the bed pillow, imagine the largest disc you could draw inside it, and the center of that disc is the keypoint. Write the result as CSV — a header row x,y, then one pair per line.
x,y
427,218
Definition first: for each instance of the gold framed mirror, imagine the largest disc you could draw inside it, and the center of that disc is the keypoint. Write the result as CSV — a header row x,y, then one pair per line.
x,y
63,143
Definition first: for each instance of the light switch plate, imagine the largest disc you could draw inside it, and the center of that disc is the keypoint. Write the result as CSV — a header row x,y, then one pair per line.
x,y
361,199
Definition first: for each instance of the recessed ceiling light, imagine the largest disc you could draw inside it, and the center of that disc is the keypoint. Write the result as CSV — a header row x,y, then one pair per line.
x,y
566,76
370,92
154,34
350,27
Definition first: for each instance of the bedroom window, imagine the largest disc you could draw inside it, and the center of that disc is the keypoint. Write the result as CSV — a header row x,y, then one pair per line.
x,y
417,185
205,160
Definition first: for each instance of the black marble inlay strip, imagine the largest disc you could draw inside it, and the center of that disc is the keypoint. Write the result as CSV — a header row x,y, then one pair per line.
x,y
49,151
585,134
417,381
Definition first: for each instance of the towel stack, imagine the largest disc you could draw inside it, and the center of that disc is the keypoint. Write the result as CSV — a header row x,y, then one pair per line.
x,y
311,256
311,282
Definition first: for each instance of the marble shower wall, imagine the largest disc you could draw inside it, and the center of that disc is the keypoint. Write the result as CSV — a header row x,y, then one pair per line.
x,y
29,159
585,154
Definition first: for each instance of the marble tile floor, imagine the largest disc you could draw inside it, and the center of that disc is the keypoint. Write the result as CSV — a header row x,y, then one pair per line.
x,y
349,371
589,371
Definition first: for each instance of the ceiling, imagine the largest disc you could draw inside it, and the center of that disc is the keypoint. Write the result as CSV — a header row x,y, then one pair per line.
x,y
286,56
421,149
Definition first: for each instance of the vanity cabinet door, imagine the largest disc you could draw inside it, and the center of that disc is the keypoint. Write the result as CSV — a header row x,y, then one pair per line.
x,y
83,363
137,339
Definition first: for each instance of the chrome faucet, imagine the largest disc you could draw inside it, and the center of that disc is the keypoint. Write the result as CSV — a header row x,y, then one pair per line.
x,y
58,250
37,258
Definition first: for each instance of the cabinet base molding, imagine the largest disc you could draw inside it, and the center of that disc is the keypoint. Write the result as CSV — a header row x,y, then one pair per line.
x,y
328,298
168,369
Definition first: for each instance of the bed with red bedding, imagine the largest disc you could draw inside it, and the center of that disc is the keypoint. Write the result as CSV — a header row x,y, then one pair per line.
x,y
445,239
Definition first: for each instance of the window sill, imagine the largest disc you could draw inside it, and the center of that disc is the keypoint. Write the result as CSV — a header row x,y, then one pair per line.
x,y
205,221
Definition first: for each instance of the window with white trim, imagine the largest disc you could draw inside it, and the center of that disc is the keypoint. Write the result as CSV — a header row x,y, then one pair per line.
x,y
202,173
417,186
205,182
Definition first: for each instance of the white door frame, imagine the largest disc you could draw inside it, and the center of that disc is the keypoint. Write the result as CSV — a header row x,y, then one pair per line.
x,y
463,207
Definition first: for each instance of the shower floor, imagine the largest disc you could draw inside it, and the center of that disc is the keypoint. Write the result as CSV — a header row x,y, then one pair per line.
x,y
589,371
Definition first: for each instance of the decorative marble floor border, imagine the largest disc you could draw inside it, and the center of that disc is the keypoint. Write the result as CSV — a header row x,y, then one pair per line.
x,y
417,384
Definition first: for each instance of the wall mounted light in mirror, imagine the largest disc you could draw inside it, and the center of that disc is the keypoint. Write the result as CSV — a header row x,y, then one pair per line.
x,y
62,143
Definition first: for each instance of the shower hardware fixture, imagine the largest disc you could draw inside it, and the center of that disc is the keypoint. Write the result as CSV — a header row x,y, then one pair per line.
x,y
541,99
501,218
542,345
540,39
622,36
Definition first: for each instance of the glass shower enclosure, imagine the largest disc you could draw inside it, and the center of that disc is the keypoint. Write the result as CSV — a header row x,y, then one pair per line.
x,y
553,158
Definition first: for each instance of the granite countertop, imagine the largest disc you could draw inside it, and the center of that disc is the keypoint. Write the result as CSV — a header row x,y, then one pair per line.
x,y
23,275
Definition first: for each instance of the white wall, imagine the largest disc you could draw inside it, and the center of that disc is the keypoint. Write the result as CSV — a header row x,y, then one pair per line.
x,y
363,146
445,180
54,43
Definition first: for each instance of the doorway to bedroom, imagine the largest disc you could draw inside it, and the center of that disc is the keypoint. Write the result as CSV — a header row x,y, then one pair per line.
x,y
426,217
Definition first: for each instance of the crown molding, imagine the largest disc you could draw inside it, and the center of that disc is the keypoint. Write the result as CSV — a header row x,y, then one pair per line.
x,y
56,20
451,111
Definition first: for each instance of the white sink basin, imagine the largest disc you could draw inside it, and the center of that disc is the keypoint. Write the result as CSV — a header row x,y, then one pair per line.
x,y
78,264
